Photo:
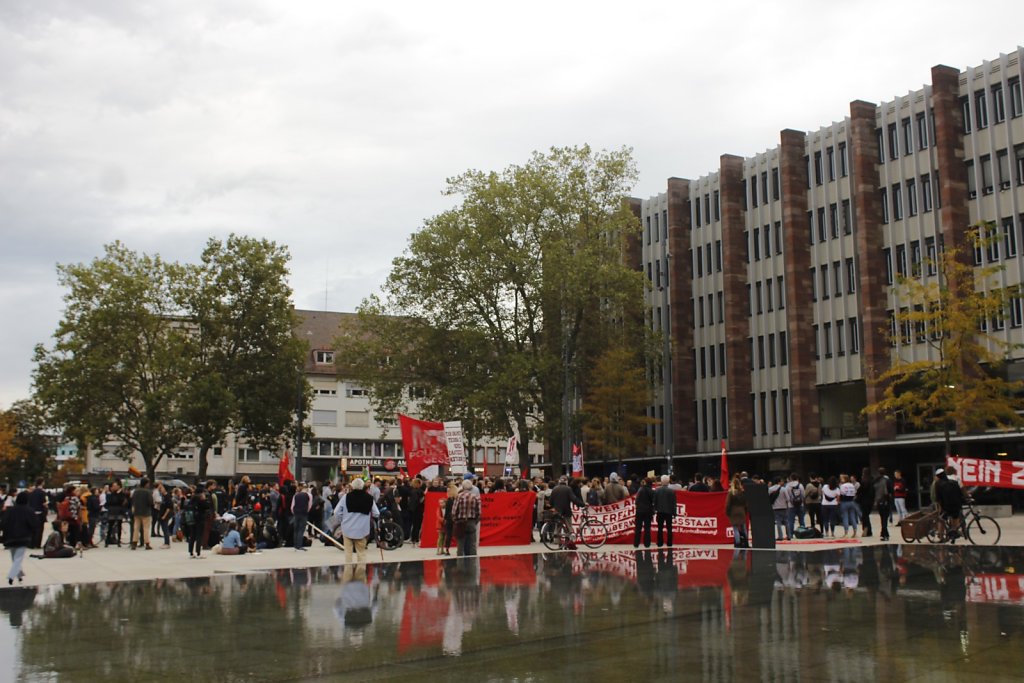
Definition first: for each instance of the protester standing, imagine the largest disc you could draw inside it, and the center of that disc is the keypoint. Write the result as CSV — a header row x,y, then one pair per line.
x,y
466,516
142,511
301,503
644,513
899,495
829,507
736,511
665,509
812,502
883,503
19,526
354,513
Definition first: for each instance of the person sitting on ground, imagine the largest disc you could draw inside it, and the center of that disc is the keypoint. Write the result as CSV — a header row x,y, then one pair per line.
x,y
55,546
248,534
232,542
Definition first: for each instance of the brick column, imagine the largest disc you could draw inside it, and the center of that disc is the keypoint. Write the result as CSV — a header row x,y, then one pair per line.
x,y
875,352
737,322
803,378
684,375
949,150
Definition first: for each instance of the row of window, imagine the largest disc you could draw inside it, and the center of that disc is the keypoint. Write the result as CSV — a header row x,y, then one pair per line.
x,y
1002,167
776,189
918,195
982,103
709,202
357,449
928,265
764,239
767,353
905,133
770,412
1004,234
828,164
702,258
659,232
838,338
766,296
715,309
839,219
710,362
716,424
831,283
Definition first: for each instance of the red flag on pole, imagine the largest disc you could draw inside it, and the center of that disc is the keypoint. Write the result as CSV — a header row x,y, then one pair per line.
x,y
577,460
725,467
284,471
423,443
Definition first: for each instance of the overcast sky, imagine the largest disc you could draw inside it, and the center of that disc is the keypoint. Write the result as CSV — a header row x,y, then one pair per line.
x,y
331,129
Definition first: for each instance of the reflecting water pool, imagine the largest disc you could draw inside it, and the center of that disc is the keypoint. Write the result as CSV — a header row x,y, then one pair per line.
x,y
884,613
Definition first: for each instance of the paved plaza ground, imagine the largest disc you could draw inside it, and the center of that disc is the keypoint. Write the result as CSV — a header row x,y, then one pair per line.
x,y
121,564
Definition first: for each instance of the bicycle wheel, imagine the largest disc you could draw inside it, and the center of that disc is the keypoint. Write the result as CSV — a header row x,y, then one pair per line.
x,y
593,533
983,530
390,535
555,534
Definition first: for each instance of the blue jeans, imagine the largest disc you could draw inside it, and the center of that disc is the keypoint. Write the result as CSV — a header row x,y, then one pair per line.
x,y
17,557
792,516
780,523
739,536
850,515
299,523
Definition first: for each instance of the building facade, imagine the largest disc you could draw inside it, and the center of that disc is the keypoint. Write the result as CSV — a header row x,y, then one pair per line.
x,y
773,275
347,435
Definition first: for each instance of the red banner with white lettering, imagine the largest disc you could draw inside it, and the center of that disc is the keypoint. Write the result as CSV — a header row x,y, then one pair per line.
x,y
1004,474
699,518
505,518
423,443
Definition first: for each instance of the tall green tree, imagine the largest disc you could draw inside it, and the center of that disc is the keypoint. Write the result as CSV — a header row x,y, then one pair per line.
x,y
959,384
615,421
245,362
501,303
118,369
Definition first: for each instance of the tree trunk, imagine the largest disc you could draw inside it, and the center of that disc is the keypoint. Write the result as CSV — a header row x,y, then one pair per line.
x,y
204,451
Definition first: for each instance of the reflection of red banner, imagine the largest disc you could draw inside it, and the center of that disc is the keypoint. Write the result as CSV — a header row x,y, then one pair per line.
x,y
696,567
1005,474
700,518
507,570
1006,588
423,443
423,617
506,518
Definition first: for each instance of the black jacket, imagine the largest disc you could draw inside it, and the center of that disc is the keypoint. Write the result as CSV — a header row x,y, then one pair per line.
x,y
644,502
19,526
665,501
563,497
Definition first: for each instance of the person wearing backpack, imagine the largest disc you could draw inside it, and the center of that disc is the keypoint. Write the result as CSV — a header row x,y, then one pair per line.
x,y
795,512
780,505
193,516
812,502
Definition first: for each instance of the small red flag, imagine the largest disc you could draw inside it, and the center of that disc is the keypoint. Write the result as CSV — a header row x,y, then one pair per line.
x,y
284,472
725,467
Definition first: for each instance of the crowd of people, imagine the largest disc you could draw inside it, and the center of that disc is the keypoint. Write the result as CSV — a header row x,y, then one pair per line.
x,y
248,517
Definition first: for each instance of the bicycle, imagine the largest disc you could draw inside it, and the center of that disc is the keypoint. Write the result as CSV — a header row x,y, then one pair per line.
x,y
557,533
977,528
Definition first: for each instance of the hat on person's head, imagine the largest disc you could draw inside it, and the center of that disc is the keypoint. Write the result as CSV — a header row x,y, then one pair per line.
x,y
941,470
467,476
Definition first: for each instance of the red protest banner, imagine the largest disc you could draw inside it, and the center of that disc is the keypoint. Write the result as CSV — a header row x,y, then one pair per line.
x,y
423,443
506,518
700,518
1006,474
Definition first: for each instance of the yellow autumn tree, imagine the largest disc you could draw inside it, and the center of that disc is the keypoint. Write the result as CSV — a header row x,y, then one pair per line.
x,y
959,385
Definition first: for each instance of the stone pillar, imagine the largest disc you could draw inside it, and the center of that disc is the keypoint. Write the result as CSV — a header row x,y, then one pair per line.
x,y
803,374
954,217
875,352
684,375
737,304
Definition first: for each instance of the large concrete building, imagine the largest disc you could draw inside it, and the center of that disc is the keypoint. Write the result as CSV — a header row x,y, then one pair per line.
x,y
773,275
